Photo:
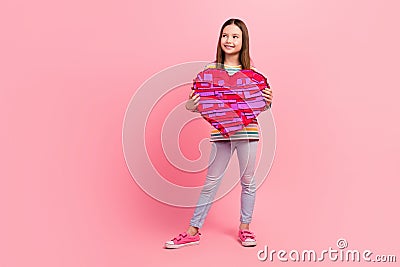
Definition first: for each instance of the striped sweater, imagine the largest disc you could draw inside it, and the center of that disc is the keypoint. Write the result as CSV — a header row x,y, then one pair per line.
x,y
250,132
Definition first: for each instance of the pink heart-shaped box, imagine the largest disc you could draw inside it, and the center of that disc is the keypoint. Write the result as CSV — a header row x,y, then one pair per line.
x,y
230,102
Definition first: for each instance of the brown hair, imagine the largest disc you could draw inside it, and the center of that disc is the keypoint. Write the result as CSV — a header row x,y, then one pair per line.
x,y
244,56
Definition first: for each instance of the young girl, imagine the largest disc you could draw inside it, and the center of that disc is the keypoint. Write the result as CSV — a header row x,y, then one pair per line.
x,y
232,55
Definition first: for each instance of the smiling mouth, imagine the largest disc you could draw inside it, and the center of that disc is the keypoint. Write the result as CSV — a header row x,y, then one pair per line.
x,y
229,46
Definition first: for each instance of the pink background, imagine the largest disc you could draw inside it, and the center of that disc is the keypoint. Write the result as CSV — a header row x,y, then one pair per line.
x,y
69,70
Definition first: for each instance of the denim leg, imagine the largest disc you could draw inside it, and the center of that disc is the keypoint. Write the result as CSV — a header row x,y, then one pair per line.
x,y
247,152
220,155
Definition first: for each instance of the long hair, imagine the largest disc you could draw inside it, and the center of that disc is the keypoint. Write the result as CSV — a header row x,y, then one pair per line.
x,y
244,56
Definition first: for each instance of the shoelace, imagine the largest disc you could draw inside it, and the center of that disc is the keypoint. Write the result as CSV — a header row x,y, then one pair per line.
x,y
247,234
182,235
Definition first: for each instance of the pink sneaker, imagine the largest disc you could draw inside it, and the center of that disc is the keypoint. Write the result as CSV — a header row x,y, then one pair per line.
x,y
183,239
247,238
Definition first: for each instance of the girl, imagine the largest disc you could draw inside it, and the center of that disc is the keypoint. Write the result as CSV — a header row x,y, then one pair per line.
x,y
232,55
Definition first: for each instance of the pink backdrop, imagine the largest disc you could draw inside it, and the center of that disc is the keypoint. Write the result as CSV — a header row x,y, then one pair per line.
x,y
69,70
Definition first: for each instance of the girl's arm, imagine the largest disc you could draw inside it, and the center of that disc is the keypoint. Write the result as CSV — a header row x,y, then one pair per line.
x,y
267,94
193,102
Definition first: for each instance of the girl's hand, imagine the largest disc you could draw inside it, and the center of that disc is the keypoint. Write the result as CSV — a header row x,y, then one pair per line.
x,y
267,94
193,101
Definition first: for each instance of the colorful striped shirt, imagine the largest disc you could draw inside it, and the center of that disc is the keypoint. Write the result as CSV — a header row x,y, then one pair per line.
x,y
251,131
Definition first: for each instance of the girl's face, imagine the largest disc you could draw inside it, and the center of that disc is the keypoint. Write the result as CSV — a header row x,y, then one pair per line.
x,y
231,39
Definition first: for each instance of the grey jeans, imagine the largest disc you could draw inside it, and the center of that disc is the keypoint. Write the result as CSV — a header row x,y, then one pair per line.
x,y
220,155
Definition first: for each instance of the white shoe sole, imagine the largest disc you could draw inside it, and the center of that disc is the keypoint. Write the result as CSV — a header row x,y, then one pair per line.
x,y
248,243
181,245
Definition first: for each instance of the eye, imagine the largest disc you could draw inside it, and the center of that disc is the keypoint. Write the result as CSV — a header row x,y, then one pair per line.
x,y
235,36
